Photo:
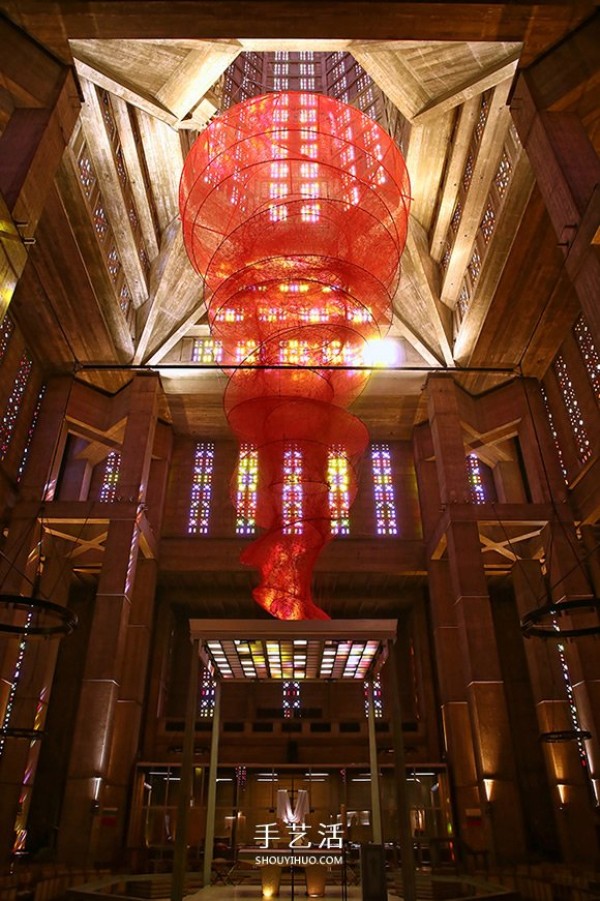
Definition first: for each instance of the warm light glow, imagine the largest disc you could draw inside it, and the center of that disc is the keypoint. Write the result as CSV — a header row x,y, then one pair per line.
x,y
488,787
381,352
294,210
562,793
270,877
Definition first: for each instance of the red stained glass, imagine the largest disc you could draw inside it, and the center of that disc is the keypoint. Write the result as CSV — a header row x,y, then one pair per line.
x,y
314,237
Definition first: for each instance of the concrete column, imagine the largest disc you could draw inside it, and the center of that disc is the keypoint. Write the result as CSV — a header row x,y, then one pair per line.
x,y
374,765
452,685
402,802
19,570
211,801
48,443
129,708
488,714
187,781
37,673
490,728
570,578
552,115
45,109
455,707
565,776
21,666
83,835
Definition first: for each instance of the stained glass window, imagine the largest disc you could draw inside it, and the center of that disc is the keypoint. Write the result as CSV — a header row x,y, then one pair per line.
x,y
107,113
554,434
120,164
292,492
589,352
87,176
339,495
198,519
446,257
463,300
247,485
14,403
474,266
230,314
582,441
290,700
482,119
244,350
113,262
100,221
456,216
14,682
488,223
207,695
475,481
377,698
124,298
573,712
503,174
383,489
110,478
6,330
207,350
468,172
30,433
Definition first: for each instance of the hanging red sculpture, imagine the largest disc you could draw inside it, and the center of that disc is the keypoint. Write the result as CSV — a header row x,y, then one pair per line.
x,y
294,209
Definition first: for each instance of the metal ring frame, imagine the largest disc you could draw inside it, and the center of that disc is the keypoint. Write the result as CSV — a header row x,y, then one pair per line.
x,y
565,735
532,625
30,734
61,620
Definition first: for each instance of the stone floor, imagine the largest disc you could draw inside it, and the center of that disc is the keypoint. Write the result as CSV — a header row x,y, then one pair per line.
x,y
253,893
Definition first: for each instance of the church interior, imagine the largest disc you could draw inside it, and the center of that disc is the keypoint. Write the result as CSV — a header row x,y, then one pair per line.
x,y
436,690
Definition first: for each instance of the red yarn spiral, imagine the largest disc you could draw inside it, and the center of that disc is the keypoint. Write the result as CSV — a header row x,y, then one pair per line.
x,y
295,209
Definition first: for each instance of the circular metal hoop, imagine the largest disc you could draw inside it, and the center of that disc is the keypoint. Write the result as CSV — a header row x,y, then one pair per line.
x,y
30,734
565,735
48,619
533,625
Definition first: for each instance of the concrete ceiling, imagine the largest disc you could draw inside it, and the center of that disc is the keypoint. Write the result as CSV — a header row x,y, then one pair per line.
x,y
164,91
